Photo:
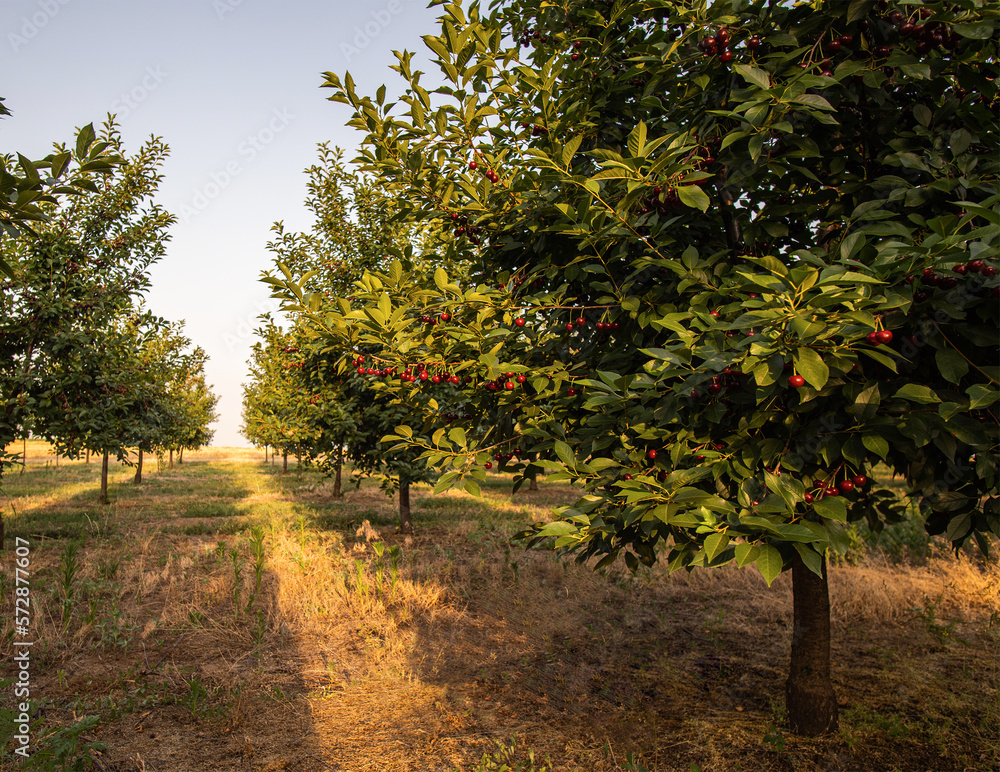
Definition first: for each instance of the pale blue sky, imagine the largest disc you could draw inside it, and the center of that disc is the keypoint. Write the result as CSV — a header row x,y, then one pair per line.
x,y
233,87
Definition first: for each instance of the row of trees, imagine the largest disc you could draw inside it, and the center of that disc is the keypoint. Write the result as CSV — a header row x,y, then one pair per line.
x,y
82,363
714,262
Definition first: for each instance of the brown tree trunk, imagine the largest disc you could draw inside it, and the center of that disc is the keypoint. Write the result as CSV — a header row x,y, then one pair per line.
x,y
1,532
171,464
405,523
88,456
57,459
138,470
284,462
809,697
24,456
104,479
337,492
180,456
265,454
298,465
533,478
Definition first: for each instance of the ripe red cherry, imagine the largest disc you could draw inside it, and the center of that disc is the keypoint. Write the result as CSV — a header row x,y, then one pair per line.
x,y
846,486
809,498
884,336
519,322
832,491
445,317
571,392
627,477
509,385
651,454
961,269
872,338
574,57
473,165
975,265
989,271
436,379
569,326
699,458
726,56
488,464
753,43
714,388
796,381
860,481
846,39
833,46
424,375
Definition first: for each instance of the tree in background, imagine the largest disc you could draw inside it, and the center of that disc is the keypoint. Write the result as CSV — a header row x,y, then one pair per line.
x,y
740,255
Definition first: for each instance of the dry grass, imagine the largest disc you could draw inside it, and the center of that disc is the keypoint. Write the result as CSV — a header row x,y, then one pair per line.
x,y
342,664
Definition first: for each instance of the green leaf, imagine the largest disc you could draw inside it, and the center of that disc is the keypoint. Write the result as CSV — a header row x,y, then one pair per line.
x,y
951,364
923,115
831,508
916,392
810,557
565,454
959,526
811,366
859,9
557,528
981,396
637,140
746,553
769,563
441,279
693,196
753,75
714,544
84,140
876,443
979,31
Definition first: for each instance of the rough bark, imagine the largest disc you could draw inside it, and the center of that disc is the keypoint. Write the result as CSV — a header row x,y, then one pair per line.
x,y
104,479
138,469
171,464
284,462
809,697
180,456
88,456
405,523
337,492
532,478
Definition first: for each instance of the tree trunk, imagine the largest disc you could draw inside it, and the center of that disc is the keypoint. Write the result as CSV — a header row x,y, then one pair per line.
x,y
88,456
809,697
405,523
104,479
533,478
265,454
337,492
171,465
1,532
298,465
138,470
57,459
284,462
24,456
180,456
